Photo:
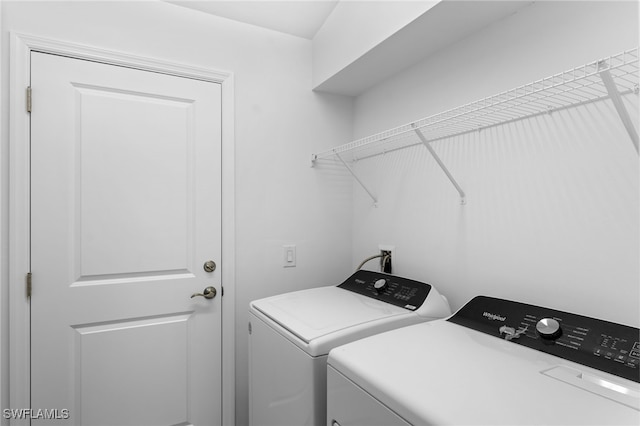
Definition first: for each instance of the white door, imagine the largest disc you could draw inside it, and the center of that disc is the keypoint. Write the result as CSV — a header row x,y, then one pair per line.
x,y
125,211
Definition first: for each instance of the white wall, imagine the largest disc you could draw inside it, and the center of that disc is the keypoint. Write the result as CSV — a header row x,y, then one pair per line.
x,y
279,122
355,27
552,202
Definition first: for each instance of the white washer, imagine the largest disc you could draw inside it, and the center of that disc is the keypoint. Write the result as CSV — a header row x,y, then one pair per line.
x,y
494,362
290,337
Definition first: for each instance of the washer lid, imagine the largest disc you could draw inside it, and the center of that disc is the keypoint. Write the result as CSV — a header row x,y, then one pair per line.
x,y
310,314
440,373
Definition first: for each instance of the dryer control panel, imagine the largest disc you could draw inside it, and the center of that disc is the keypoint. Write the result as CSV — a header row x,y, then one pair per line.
x,y
398,291
606,346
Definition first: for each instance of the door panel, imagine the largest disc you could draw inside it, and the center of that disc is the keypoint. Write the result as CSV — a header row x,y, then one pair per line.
x,y
135,348
151,178
125,206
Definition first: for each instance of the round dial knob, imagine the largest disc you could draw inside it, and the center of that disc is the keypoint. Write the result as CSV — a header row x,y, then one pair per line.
x,y
380,285
548,328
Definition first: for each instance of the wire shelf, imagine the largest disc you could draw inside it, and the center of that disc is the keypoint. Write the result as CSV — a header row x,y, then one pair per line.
x,y
578,86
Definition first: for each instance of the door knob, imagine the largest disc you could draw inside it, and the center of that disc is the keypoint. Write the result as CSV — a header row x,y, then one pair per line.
x,y
209,293
209,266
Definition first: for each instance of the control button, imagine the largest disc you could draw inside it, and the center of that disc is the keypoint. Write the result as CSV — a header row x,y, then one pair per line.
x,y
380,285
597,351
548,328
635,353
632,362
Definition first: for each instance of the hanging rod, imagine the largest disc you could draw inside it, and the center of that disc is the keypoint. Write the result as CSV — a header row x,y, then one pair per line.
x,y
609,78
574,87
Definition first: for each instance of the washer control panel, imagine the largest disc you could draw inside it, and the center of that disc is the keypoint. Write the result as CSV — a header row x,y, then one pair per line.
x,y
398,291
606,346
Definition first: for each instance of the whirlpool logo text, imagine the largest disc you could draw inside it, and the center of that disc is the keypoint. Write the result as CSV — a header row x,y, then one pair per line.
x,y
494,317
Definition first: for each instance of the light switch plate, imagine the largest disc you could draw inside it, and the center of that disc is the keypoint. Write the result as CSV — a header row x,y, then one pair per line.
x,y
289,256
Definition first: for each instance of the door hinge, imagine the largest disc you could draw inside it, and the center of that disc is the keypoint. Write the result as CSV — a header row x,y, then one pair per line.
x,y
28,284
250,328
29,99
222,289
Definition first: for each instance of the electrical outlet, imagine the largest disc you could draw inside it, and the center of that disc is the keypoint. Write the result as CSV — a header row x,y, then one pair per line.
x,y
386,254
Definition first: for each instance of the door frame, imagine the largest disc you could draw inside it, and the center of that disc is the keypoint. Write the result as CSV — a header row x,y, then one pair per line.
x,y
21,46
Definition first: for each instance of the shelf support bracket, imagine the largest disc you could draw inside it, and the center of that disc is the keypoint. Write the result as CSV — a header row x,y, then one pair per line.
x,y
375,201
425,142
614,94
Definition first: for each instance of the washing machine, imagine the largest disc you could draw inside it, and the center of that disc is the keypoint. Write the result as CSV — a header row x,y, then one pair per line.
x,y
290,337
494,362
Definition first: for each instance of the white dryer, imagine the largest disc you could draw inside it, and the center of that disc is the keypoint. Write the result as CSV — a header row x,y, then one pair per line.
x,y
290,337
495,362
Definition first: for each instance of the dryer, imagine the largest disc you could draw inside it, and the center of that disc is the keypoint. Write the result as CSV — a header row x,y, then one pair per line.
x,y
495,362
290,337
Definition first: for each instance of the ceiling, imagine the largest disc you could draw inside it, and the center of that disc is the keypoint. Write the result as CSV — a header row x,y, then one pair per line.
x,y
447,22
444,24
302,18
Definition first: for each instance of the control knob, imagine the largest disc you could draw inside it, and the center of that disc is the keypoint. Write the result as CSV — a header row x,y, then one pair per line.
x,y
548,328
380,285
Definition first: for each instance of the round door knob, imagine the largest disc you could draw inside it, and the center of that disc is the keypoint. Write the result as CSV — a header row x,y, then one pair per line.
x,y
208,293
380,285
548,328
209,266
